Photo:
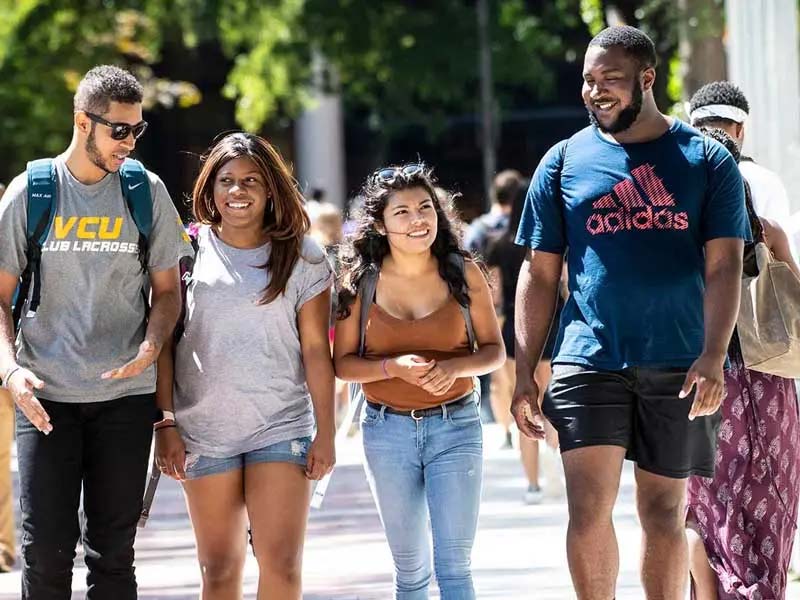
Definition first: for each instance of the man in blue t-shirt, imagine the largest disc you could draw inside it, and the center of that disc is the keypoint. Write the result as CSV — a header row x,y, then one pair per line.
x,y
651,216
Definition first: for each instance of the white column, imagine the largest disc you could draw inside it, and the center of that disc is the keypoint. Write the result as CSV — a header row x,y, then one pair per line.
x,y
763,60
319,138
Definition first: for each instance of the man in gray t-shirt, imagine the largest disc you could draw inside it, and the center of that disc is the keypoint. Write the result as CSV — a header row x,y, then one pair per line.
x,y
81,367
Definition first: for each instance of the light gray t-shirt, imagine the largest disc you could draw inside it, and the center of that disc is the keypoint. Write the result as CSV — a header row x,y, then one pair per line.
x,y
240,384
92,312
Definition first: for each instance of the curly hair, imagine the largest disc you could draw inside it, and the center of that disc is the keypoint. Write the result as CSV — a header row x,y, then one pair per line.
x,y
286,222
723,138
634,41
103,85
365,248
718,92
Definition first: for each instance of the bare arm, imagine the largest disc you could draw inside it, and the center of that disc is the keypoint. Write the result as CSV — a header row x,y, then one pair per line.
x,y
349,365
21,383
491,353
723,274
779,244
8,283
312,322
536,301
164,310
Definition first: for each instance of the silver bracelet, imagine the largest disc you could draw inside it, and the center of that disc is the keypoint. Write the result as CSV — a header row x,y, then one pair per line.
x,y
9,374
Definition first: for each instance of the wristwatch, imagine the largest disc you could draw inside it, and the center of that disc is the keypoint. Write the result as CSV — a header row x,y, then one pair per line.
x,y
166,419
164,415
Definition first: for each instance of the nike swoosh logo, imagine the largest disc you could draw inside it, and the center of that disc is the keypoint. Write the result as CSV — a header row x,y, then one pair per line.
x,y
133,187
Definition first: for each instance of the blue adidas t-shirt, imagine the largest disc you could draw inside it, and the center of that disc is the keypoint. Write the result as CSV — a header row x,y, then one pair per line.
x,y
633,220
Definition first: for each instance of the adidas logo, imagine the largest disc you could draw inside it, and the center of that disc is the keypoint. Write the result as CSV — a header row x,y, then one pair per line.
x,y
629,211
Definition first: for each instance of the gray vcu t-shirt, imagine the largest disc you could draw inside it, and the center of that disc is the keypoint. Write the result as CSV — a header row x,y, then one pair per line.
x,y
92,312
240,383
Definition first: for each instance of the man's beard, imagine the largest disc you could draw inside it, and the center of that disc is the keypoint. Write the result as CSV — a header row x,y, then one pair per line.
x,y
627,115
93,152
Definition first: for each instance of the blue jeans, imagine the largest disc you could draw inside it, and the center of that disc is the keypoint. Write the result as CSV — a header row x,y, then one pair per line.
x,y
416,468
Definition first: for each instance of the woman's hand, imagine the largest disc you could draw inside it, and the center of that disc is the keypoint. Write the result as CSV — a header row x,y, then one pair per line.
x,y
171,453
439,379
321,456
409,367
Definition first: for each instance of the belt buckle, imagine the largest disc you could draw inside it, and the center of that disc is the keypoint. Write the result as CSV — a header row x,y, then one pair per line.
x,y
414,416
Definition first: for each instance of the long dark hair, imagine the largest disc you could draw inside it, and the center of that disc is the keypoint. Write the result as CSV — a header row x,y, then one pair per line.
x,y
286,223
366,248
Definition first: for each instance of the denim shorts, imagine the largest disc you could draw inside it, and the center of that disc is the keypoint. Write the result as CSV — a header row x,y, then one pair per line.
x,y
289,451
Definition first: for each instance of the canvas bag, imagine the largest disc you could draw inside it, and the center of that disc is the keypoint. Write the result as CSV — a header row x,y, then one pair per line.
x,y
769,314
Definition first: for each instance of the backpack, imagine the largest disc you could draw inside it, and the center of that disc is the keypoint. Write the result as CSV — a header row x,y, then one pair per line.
x,y
41,209
186,267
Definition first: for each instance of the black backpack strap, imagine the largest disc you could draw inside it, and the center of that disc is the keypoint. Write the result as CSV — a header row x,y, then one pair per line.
x,y
186,268
366,291
458,260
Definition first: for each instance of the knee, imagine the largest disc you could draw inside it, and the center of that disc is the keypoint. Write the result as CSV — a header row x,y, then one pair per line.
x,y
220,571
52,559
662,513
588,511
412,571
281,562
452,564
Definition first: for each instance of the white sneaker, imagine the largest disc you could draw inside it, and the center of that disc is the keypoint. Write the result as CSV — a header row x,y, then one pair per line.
x,y
533,495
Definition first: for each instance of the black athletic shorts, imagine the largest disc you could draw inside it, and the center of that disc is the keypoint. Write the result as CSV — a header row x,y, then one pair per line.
x,y
636,408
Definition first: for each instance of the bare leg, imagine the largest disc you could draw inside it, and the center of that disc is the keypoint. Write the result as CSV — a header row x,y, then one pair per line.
x,y
500,398
592,475
216,508
665,557
704,579
278,496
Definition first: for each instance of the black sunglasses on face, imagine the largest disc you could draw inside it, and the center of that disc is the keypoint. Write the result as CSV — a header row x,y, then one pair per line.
x,y
388,175
120,131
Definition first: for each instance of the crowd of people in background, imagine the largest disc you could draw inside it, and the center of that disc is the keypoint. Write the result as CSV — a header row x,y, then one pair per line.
x,y
595,304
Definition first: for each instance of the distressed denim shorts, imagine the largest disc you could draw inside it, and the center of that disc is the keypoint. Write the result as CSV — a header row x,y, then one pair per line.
x,y
289,451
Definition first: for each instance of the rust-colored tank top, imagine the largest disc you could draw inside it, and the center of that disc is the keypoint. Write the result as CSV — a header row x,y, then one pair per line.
x,y
439,335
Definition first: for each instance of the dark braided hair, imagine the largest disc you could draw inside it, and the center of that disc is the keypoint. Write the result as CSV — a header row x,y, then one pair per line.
x,y
365,248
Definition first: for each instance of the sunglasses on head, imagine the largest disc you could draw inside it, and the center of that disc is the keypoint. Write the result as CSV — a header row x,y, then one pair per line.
x,y
120,131
389,175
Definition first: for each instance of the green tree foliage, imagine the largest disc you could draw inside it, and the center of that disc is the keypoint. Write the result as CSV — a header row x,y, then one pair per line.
x,y
46,46
395,59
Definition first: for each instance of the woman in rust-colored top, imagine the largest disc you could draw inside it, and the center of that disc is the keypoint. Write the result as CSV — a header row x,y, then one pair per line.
x,y
422,430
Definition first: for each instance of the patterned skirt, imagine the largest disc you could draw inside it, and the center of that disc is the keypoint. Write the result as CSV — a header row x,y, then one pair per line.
x,y
747,514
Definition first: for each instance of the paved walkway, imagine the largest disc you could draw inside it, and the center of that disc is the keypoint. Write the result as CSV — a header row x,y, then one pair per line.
x,y
519,552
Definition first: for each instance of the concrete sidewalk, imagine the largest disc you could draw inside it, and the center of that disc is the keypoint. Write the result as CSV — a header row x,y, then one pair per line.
x,y
519,552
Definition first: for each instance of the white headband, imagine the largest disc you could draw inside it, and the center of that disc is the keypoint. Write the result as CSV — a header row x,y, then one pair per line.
x,y
719,111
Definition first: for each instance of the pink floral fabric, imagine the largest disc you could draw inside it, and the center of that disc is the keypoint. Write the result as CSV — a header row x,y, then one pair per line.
x,y
747,514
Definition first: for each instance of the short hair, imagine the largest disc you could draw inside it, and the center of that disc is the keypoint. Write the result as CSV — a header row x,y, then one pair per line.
x,y
103,85
724,139
505,186
718,92
634,41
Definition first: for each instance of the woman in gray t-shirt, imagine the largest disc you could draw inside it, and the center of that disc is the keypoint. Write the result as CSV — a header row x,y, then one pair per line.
x,y
251,373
